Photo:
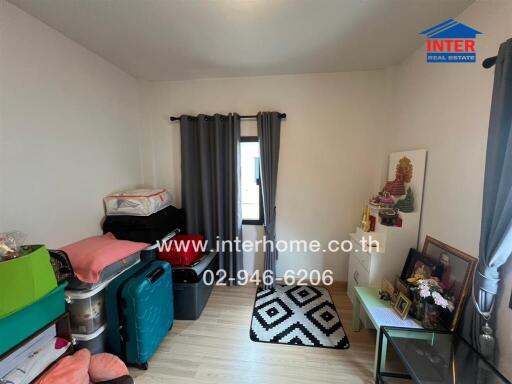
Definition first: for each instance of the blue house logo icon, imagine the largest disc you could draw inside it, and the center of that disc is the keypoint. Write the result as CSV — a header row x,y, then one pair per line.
x,y
451,42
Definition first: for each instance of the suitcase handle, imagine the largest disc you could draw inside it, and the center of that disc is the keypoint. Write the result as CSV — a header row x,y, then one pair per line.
x,y
164,240
155,275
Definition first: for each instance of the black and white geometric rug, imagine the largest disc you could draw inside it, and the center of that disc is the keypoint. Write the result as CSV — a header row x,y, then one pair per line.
x,y
297,315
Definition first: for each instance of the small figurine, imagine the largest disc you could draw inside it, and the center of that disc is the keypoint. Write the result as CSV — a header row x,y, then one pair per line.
x,y
382,200
365,219
386,200
396,187
388,217
384,295
375,201
407,203
373,221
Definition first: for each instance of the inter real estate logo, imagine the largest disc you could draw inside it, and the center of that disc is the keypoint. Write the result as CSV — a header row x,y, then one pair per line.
x,y
451,42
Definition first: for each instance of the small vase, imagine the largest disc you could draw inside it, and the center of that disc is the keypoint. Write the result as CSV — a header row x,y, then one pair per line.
x,y
431,315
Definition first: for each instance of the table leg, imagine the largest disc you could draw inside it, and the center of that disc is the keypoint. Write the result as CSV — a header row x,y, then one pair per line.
x,y
382,355
356,320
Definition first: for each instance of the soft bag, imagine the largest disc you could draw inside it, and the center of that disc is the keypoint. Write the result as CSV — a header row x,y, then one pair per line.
x,y
137,202
25,279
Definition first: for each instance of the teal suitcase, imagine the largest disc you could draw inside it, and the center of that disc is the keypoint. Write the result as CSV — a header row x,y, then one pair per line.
x,y
140,312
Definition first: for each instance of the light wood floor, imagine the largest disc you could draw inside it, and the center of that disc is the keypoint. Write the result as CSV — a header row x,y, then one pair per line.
x,y
217,349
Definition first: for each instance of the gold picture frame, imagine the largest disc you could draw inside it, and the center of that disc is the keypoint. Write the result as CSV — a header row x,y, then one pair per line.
x,y
402,306
457,272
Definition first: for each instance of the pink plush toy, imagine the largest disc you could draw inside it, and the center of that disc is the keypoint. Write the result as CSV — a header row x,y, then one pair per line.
x,y
69,370
104,367
81,368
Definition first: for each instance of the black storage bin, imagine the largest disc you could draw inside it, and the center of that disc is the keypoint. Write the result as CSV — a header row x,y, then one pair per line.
x,y
146,229
191,293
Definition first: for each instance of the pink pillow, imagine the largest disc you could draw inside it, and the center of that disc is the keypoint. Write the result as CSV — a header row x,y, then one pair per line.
x,y
90,256
104,367
69,370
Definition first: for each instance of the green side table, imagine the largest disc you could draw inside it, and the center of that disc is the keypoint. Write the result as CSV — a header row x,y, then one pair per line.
x,y
380,314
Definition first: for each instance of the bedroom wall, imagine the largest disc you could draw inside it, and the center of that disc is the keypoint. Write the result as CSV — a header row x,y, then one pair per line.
x,y
328,144
445,109
69,132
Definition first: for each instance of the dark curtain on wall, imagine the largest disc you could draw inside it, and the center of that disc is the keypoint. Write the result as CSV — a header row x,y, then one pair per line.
x,y
269,134
210,172
496,229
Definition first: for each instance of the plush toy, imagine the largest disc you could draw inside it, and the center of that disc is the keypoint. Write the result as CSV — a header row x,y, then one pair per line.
x,y
384,295
81,368
104,367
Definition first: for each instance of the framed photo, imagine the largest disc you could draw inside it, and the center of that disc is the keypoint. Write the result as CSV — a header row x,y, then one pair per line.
x,y
417,264
454,270
402,306
411,256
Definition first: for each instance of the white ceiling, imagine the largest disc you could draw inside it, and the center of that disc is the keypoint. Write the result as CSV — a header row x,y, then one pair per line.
x,y
186,39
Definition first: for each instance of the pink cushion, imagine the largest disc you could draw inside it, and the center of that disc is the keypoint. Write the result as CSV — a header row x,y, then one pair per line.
x,y
69,370
90,256
104,367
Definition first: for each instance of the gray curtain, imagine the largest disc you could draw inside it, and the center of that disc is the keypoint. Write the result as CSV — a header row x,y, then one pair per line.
x,y
269,133
496,230
210,173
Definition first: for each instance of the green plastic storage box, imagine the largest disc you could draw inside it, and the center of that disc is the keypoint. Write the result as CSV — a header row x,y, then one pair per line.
x,y
25,279
24,323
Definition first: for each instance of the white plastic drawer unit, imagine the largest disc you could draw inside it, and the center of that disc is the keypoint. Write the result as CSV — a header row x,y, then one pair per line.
x,y
358,274
95,342
364,258
86,309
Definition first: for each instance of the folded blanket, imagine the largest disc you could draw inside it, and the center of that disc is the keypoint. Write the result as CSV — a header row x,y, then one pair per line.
x,y
89,257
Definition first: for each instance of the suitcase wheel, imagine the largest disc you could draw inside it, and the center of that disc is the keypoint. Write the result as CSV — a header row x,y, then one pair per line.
x,y
141,366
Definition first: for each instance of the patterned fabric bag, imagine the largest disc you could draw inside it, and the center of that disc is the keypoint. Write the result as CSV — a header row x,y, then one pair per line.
x,y
61,265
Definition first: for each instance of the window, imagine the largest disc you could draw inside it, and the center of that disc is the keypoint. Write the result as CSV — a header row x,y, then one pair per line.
x,y
252,202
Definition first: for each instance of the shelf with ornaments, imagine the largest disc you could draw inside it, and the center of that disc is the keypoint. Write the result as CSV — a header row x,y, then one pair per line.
x,y
396,210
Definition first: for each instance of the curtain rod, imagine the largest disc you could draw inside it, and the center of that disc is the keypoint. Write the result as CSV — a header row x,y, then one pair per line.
x,y
281,116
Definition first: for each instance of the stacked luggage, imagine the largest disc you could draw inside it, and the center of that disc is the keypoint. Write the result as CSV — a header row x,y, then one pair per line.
x,y
147,225
148,216
139,302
